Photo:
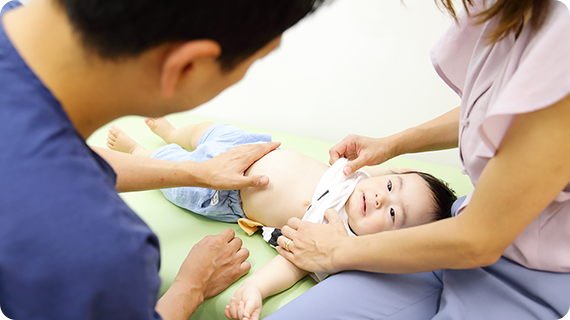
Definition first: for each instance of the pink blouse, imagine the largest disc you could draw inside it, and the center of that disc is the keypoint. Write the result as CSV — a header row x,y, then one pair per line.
x,y
497,82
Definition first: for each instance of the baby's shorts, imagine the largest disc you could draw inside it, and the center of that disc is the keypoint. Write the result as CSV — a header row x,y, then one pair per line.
x,y
218,205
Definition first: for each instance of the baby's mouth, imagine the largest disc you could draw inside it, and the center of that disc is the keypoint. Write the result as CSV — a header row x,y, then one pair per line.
x,y
363,205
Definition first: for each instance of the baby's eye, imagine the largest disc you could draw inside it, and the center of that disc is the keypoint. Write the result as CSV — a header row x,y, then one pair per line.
x,y
392,214
389,185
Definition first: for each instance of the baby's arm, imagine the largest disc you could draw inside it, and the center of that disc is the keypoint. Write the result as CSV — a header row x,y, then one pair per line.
x,y
276,276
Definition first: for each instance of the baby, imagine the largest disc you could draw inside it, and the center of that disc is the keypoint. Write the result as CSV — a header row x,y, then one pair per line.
x,y
380,199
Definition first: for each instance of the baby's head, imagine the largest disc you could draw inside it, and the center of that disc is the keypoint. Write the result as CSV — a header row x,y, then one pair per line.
x,y
398,200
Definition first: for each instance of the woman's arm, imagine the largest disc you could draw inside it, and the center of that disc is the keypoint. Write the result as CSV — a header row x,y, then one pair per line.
x,y
274,277
224,172
437,134
514,188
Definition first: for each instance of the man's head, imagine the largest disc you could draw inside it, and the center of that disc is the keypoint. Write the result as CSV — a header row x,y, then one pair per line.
x,y
397,201
175,55
116,29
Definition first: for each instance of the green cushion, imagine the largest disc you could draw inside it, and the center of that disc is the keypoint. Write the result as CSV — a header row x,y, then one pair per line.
x,y
178,229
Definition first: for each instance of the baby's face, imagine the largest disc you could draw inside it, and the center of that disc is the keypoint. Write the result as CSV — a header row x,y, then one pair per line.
x,y
389,202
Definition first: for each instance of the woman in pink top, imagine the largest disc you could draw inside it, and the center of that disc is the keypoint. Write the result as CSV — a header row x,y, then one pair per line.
x,y
506,254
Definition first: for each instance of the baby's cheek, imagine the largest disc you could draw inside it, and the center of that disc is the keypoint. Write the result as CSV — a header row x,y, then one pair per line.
x,y
367,227
379,226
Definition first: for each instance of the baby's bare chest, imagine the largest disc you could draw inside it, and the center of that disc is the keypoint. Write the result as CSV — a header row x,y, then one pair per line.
x,y
293,179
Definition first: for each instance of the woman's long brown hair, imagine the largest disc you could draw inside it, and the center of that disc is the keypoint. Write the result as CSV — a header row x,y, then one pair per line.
x,y
512,14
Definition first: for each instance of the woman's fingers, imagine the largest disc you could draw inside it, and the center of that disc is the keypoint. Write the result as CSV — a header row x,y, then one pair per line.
x,y
293,223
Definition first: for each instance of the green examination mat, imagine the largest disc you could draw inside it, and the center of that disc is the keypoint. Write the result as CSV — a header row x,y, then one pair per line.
x,y
179,229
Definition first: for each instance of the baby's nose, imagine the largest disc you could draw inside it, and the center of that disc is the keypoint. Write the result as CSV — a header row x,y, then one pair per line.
x,y
378,199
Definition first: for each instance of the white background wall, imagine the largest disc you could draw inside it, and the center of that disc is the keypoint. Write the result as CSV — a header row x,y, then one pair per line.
x,y
355,66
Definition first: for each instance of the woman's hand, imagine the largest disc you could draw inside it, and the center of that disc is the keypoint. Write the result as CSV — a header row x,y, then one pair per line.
x,y
245,304
226,171
313,246
361,151
437,134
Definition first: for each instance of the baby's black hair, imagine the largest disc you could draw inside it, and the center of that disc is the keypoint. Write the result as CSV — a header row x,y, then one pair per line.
x,y
443,195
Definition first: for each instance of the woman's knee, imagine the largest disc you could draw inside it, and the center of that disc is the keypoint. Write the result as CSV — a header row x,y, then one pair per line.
x,y
363,295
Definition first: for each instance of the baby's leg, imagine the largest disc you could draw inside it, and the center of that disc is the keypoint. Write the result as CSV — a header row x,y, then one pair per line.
x,y
119,141
187,137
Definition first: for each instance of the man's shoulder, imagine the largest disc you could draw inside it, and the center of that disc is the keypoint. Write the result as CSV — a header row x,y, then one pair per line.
x,y
73,242
10,5
63,193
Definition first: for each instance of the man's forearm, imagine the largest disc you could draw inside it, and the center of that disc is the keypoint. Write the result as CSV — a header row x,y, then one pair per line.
x,y
179,303
136,173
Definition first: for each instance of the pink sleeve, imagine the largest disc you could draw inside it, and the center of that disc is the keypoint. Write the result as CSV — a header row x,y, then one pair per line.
x,y
451,55
542,69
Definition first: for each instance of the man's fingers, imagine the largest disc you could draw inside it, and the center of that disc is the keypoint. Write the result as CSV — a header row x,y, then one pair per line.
x,y
244,268
263,149
235,241
243,250
238,271
258,181
229,235
242,256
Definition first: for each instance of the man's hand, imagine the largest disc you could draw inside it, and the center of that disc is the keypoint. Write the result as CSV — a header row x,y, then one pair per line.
x,y
212,265
226,171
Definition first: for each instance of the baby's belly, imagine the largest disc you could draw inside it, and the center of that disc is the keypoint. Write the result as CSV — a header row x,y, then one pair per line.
x,y
293,179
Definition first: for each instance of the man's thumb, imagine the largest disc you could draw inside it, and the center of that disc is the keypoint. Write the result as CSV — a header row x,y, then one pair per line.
x,y
259,181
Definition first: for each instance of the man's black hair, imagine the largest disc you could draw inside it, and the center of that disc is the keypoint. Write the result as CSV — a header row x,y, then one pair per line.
x,y
117,29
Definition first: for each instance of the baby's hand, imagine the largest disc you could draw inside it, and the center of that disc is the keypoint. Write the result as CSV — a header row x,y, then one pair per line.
x,y
245,304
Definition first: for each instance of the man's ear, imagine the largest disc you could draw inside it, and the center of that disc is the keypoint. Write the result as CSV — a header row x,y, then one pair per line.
x,y
180,59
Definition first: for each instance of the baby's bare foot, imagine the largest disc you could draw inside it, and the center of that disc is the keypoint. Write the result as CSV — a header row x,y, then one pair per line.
x,y
161,127
119,141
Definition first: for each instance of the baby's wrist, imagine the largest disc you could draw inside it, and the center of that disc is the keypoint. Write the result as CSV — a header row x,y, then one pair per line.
x,y
249,283
262,288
